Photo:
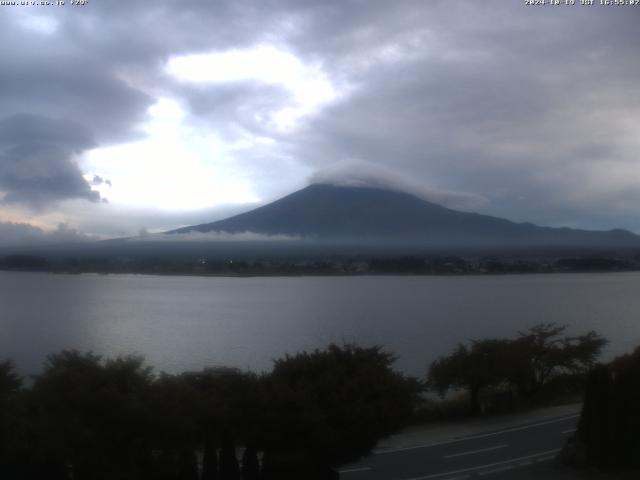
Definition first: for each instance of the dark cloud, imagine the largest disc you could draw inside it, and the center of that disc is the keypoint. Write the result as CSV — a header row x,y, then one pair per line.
x,y
18,233
12,234
20,129
97,180
36,160
57,102
79,88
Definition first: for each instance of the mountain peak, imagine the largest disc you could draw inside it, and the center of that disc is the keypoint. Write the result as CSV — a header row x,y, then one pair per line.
x,y
328,212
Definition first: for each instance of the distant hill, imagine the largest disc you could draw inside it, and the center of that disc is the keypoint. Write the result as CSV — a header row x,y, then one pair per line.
x,y
369,215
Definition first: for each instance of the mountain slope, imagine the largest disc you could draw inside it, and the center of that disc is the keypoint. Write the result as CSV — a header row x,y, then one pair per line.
x,y
326,212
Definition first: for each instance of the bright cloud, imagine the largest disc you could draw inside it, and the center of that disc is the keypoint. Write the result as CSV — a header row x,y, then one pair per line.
x,y
175,167
41,24
309,87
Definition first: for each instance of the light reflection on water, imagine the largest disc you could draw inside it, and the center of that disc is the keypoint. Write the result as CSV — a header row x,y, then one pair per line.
x,y
183,323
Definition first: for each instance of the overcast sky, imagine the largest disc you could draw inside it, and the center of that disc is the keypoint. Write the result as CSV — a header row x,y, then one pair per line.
x,y
119,116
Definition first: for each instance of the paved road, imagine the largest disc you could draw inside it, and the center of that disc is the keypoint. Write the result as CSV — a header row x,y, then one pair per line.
x,y
475,456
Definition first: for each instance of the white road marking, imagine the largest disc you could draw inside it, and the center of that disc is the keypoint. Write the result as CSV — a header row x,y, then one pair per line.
x,y
543,459
471,452
354,470
571,430
487,466
497,470
473,437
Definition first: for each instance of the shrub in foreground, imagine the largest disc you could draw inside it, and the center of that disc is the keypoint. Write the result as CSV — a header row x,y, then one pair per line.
x,y
89,418
607,434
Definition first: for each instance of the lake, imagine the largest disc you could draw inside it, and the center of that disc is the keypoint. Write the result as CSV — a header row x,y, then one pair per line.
x,y
185,323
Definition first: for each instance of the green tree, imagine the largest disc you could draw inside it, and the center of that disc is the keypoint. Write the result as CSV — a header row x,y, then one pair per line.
x,y
543,352
230,406
173,405
10,385
527,363
10,381
610,419
329,407
483,363
88,416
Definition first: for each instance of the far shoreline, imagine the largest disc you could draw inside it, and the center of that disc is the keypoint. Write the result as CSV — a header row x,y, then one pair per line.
x,y
321,275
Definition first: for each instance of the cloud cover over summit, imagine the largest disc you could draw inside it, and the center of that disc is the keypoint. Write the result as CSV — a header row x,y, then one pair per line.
x,y
530,112
356,173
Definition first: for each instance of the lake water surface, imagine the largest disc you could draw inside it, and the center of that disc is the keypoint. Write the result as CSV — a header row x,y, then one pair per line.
x,y
183,323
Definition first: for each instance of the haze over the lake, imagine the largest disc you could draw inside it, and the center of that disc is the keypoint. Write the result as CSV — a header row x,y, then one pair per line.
x,y
134,116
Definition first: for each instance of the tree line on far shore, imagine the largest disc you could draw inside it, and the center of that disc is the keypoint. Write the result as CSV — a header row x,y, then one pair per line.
x,y
319,265
89,418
